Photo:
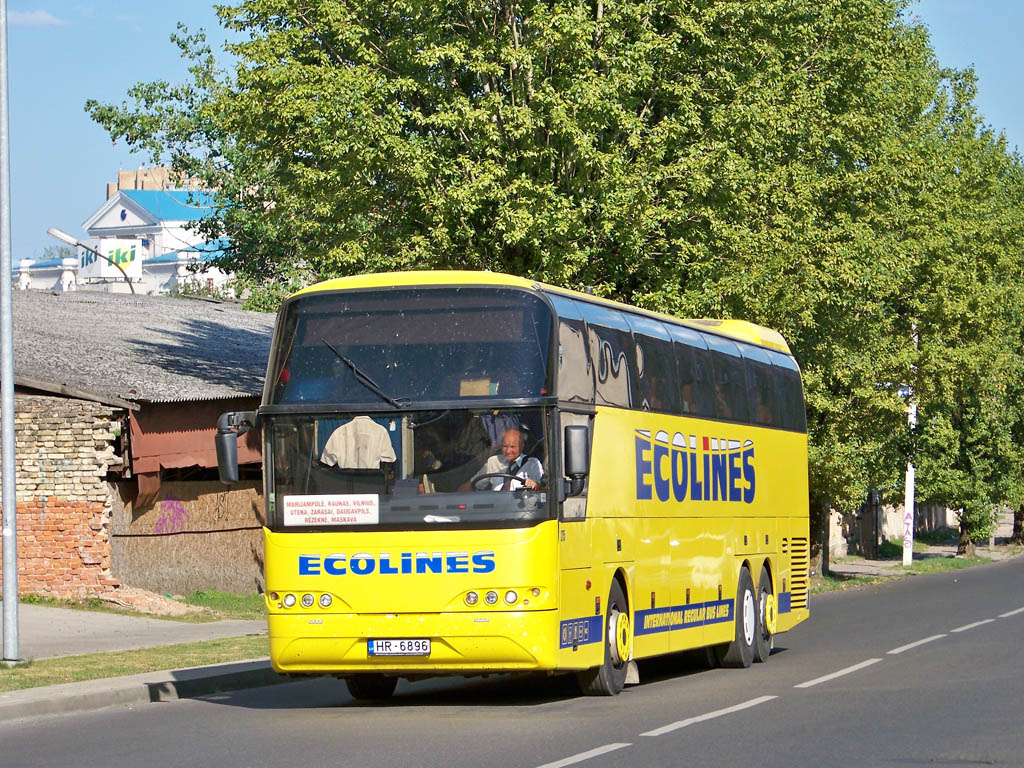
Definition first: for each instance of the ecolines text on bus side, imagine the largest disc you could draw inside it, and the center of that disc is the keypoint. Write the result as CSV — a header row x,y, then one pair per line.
x,y
691,468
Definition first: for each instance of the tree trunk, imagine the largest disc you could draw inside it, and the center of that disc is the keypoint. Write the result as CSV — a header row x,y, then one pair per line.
x,y
819,530
965,545
1018,525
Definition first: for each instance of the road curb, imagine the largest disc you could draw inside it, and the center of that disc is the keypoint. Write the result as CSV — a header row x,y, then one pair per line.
x,y
166,685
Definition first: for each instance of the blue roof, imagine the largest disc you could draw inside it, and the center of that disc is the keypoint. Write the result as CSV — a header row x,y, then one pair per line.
x,y
172,204
207,251
41,264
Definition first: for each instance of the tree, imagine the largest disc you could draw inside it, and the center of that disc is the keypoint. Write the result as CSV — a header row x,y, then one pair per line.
x,y
785,161
966,312
58,252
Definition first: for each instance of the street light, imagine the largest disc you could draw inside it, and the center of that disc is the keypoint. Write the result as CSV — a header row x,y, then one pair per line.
x,y
64,237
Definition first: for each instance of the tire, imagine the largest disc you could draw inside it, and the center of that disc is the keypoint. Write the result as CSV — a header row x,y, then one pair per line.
x,y
371,687
713,655
739,654
609,678
764,641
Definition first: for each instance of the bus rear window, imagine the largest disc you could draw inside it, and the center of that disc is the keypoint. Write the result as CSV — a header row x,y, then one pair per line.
x,y
416,345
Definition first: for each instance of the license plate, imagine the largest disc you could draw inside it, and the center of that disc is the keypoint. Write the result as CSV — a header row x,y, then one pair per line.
x,y
398,647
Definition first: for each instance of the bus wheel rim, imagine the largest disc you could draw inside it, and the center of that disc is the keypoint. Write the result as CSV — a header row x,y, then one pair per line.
x,y
618,637
748,618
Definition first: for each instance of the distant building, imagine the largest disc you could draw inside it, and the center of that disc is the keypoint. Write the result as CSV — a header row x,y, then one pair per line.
x,y
144,227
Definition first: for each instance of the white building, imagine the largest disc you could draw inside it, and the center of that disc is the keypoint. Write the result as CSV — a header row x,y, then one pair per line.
x,y
146,233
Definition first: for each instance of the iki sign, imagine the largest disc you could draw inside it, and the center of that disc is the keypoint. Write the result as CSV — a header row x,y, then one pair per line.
x,y
125,253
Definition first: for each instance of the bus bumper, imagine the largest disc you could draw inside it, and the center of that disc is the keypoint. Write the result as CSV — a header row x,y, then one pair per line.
x,y
461,643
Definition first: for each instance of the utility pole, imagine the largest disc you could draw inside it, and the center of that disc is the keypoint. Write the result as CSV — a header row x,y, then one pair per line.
x,y
908,492
10,502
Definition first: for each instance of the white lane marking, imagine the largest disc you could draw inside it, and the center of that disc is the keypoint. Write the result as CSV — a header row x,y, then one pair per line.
x,y
584,756
840,673
709,716
965,627
1008,614
908,646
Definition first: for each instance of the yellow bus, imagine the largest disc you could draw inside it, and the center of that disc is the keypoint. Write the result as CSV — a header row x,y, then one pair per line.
x,y
471,473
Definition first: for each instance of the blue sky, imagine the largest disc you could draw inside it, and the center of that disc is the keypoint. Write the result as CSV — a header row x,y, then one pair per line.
x,y
64,52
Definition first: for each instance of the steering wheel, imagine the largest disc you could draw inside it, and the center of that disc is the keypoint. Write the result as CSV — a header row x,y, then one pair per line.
x,y
478,487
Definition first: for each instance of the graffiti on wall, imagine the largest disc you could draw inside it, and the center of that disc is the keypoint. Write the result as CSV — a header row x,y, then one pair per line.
x,y
173,517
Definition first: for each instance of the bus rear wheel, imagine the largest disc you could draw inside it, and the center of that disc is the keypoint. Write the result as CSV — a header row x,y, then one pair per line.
x,y
371,687
610,678
765,617
740,652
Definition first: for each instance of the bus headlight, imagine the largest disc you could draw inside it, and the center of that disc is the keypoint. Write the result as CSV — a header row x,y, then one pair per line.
x,y
325,601
511,597
307,600
289,601
472,598
491,597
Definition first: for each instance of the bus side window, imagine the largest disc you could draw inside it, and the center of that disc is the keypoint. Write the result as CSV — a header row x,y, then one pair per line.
x,y
614,356
655,362
575,374
764,397
730,385
693,366
787,377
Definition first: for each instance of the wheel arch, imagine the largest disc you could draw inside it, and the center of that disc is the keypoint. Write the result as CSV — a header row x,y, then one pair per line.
x,y
621,577
769,566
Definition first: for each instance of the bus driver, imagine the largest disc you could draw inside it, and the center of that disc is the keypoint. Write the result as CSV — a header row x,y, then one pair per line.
x,y
511,461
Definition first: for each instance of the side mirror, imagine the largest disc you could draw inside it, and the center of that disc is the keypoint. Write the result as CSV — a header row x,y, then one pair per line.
x,y
577,458
229,426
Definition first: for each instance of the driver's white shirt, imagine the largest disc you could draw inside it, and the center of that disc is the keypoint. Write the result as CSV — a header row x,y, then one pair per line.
x,y
530,467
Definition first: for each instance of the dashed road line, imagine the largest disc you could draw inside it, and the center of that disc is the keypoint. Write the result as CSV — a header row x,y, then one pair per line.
x,y
840,673
709,716
916,643
965,627
597,752
579,758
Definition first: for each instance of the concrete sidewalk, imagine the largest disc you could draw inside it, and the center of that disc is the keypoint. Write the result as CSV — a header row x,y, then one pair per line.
x,y
47,632
861,567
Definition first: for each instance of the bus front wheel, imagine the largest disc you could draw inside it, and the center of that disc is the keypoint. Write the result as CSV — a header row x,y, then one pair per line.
x,y
371,687
609,678
740,652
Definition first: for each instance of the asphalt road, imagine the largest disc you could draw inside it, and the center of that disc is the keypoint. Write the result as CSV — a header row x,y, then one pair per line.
x,y
925,671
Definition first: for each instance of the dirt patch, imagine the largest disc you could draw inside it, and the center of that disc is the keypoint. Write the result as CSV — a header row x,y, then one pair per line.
x,y
144,601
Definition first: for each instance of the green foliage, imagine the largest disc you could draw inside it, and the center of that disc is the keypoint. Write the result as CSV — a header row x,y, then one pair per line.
x,y
59,252
940,536
805,164
228,605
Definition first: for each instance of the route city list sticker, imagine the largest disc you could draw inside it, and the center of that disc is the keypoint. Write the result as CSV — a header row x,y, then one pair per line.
x,y
342,509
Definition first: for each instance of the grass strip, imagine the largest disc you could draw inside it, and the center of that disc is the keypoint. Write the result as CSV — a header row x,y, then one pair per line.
x,y
836,581
94,666
218,605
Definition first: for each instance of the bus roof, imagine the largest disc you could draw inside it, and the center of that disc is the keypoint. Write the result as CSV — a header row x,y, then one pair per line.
x,y
736,329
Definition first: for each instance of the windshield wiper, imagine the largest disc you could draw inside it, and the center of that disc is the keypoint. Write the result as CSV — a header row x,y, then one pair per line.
x,y
366,381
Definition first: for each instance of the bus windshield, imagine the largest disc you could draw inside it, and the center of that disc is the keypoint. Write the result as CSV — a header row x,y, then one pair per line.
x,y
404,346
417,468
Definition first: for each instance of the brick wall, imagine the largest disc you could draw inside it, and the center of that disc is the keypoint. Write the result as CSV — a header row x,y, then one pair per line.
x,y
63,448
